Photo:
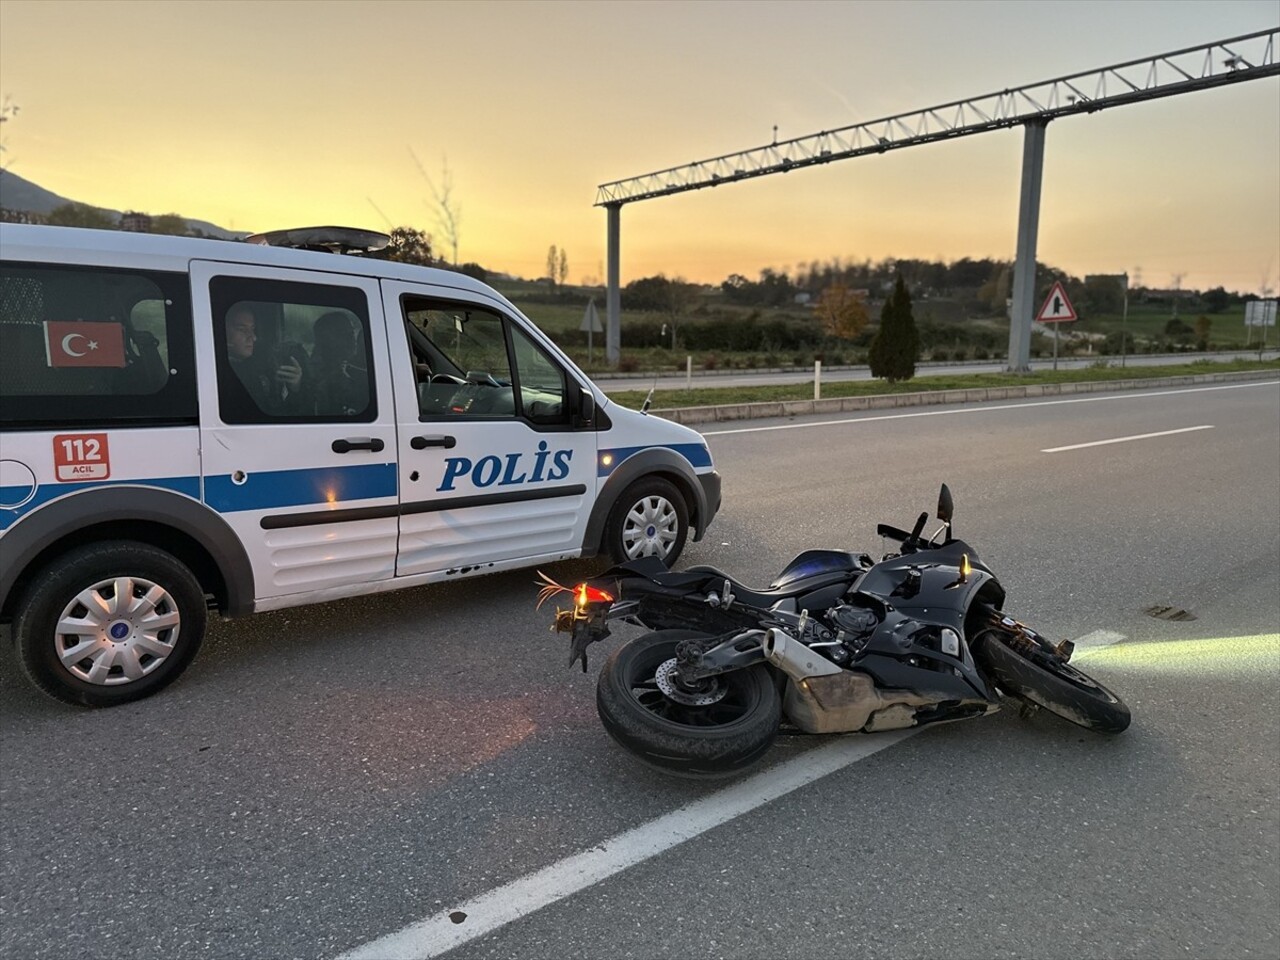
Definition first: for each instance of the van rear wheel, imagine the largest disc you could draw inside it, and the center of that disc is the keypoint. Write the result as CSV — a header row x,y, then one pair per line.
x,y
109,623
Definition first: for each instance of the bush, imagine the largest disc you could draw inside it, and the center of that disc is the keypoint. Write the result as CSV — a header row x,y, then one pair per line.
x,y
710,362
628,364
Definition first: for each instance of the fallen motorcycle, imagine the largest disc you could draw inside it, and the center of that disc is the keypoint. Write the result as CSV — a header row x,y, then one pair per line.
x,y
837,643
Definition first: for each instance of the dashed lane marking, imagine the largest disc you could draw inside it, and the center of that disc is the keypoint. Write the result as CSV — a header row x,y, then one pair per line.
x,y
1136,436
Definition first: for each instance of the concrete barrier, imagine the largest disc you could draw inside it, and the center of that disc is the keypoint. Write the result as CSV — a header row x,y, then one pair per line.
x,y
773,409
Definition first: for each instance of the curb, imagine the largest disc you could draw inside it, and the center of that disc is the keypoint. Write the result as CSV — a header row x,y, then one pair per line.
x,y
800,408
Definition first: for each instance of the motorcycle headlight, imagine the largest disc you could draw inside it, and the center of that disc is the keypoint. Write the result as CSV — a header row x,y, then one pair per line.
x,y
950,642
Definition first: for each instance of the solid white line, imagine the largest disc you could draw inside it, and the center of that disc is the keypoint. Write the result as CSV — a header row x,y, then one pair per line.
x,y
988,408
1136,436
489,911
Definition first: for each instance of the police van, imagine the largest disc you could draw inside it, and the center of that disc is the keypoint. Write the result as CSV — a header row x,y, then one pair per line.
x,y
190,425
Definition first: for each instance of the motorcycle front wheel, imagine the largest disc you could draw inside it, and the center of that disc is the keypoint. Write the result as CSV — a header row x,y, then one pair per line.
x,y
1023,669
717,728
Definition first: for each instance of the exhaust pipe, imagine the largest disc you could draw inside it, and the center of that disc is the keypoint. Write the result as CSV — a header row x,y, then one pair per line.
x,y
822,697
795,659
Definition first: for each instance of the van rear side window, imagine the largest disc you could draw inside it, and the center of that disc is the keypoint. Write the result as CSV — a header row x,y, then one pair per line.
x,y
82,346
291,352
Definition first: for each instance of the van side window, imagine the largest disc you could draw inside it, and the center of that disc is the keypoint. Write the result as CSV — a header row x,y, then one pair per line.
x,y
463,362
84,346
291,352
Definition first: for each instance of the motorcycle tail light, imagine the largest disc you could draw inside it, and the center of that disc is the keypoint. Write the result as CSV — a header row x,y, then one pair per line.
x,y
584,594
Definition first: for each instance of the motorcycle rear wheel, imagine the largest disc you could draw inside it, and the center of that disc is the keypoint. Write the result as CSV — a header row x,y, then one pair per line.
x,y
1052,683
718,739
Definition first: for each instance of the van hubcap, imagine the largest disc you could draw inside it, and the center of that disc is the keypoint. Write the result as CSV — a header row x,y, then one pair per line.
x,y
117,631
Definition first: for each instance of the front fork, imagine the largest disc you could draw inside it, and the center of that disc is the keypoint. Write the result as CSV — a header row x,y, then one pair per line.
x,y
1029,643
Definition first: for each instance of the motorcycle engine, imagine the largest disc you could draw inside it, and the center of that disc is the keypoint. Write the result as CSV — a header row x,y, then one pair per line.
x,y
852,625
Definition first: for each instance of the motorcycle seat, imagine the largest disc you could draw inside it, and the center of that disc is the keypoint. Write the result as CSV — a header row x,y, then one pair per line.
x,y
773,593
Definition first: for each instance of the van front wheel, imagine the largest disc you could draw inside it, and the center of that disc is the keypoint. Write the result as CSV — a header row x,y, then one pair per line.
x,y
650,519
109,623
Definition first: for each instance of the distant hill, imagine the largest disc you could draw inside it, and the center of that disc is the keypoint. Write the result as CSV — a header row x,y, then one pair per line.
x,y
17,193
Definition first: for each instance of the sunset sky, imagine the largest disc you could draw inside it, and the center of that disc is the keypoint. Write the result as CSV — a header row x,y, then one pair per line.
x,y
263,115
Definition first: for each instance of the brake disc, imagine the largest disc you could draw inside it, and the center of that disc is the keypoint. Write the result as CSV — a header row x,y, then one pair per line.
x,y
668,680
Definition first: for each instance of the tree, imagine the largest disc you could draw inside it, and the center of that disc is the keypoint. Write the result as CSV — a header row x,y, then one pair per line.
x,y
170,224
671,298
1203,326
447,212
81,215
842,312
407,245
995,291
1102,295
564,266
897,344
553,264
1178,330
1216,300
8,110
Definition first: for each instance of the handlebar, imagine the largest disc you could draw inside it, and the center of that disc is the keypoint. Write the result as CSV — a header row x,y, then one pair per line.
x,y
910,541
893,533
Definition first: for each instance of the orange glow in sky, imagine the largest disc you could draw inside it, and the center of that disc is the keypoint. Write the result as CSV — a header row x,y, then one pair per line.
x,y
263,115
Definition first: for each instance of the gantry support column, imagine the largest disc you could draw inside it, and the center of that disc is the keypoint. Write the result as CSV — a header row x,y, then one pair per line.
x,y
1024,271
613,299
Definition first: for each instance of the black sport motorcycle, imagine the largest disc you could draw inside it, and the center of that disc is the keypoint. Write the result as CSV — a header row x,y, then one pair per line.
x,y
837,643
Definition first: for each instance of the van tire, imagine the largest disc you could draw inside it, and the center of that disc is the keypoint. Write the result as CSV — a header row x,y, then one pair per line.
x,y
650,518
157,638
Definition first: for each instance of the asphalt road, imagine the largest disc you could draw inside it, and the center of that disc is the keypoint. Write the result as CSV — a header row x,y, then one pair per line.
x,y
323,777
705,379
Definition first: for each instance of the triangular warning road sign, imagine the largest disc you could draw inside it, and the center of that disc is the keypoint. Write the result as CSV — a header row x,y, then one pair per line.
x,y
591,319
1057,308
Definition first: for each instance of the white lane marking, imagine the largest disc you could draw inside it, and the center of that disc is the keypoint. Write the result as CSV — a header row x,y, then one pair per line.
x,y
1099,638
1136,436
987,408
434,935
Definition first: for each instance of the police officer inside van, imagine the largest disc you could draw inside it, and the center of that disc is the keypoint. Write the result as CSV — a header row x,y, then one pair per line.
x,y
278,392
340,379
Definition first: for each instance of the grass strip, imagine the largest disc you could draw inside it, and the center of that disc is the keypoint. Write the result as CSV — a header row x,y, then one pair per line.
x,y
712,396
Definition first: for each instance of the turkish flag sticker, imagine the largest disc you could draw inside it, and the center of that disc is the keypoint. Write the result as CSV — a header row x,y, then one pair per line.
x,y
76,343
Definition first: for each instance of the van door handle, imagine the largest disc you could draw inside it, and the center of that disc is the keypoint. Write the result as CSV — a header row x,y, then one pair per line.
x,y
361,443
421,443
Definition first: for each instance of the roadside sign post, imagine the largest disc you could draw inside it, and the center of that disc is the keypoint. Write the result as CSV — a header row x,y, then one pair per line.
x,y
591,324
1057,309
1259,313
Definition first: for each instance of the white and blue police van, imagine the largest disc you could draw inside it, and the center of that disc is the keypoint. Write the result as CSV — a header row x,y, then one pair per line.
x,y
190,425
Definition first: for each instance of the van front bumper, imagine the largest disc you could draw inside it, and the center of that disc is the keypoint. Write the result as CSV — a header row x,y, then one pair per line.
x,y
711,493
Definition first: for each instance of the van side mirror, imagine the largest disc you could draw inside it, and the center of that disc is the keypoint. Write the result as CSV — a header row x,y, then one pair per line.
x,y
586,406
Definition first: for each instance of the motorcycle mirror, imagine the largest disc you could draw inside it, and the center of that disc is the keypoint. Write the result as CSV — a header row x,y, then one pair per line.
x,y
945,506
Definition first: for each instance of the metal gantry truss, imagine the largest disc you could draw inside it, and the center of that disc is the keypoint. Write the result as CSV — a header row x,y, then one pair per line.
x,y
1248,57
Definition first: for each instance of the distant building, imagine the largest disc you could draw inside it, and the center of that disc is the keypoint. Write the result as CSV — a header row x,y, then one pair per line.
x,y
135,222
1120,278
19,216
